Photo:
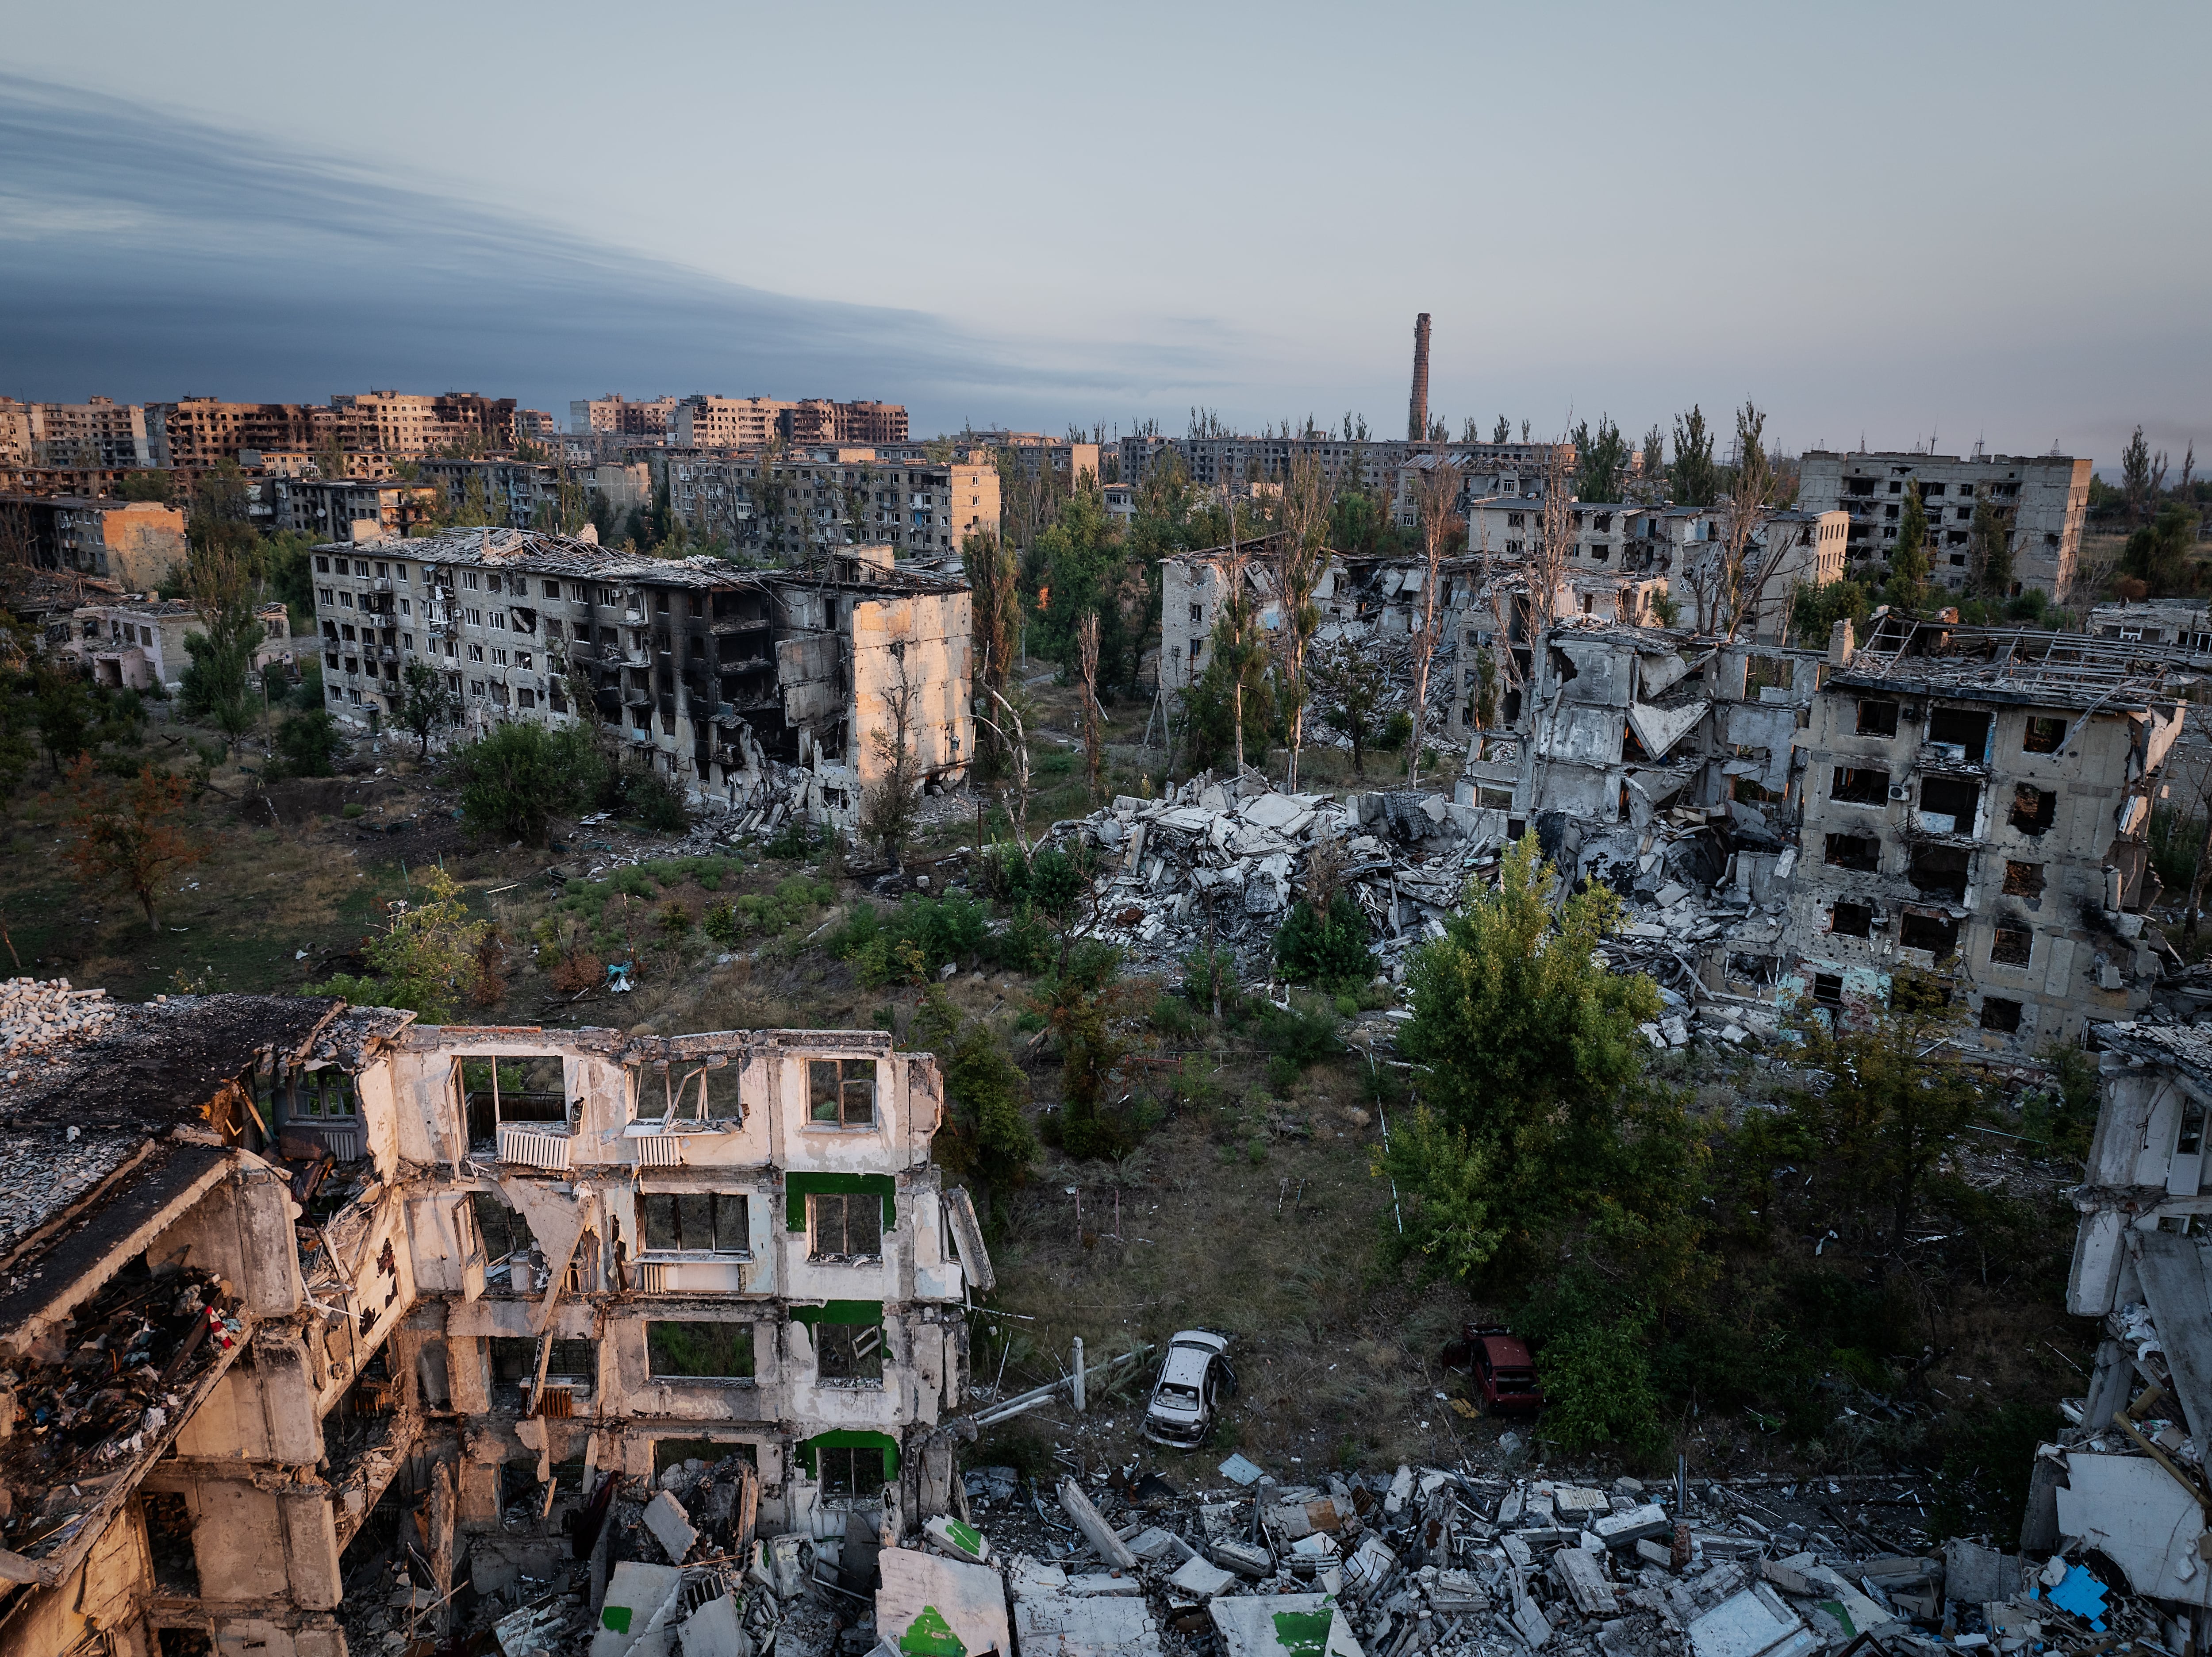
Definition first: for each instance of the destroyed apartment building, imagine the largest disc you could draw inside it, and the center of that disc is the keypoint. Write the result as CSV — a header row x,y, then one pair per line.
x,y
320,1324
2126,1481
763,691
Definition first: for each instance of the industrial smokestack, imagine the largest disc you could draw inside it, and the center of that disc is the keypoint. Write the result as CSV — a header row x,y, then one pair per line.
x,y
1416,411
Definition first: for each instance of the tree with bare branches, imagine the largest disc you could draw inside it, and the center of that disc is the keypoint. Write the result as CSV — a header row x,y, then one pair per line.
x,y
1437,499
887,809
1301,560
128,838
1086,649
1746,513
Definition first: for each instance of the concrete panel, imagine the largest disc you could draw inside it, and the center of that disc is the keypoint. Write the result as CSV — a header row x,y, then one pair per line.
x,y
238,1537
312,1544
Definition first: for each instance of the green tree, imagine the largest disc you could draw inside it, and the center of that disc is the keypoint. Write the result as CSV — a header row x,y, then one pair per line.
x,y
1908,559
128,838
1503,431
426,958
985,1135
1893,1092
427,703
2163,553
1530,1060
520,775
2135,475
145,483
1327,949
995,579
1814,610
1078,1003
308,744
1696,479
1991,538
1352,683
1601,460
218,685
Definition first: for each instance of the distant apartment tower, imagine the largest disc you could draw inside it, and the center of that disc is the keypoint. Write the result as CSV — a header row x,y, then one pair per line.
x,y
1373,465
2046,496
704,422
617,416
791,506
203,432
817,420
97,433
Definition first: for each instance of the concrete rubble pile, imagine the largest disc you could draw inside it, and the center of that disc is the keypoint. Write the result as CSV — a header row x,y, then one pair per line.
x,y
38,1016
110,1384
1221,862
1441,1561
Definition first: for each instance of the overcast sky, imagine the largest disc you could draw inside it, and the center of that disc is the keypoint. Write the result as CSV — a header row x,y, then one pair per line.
x,y
1890,222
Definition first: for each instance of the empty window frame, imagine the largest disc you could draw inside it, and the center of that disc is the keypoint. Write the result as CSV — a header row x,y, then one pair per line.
x,y
1968,727
1855,851
700,1351
2033,810
510,1090
698,1091
1954,797
325,1095
844,1226
1828,988
713,1222
1940,869
2043,736
850,1472
1936,933
505,1232
1877,718
848,1352
1852,920
2023,879
1999,1014
2011,944
1859,786
842,1091
1754,969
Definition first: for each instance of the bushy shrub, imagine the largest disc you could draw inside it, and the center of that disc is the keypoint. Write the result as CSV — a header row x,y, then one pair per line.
x,y
914,941
798,841
1025,944
719,922
520,775
1327,951
1397,731
1299,1034
308,744
985,1134
656,800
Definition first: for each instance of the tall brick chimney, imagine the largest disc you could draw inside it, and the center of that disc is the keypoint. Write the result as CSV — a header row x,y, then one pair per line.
x,y
1416,411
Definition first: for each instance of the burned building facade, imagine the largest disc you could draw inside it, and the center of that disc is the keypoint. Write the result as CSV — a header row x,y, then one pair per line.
x,y
1975,803
735,684
295,1271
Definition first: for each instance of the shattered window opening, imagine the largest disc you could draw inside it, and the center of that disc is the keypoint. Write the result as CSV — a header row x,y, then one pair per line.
x,y
2000,1015
852,1474
1940,869
1852,785
701,1351
844,1226
521,1088
696,1222
2012,945
1966,728
842,1091
1936,933
1852,920
1877,718
1952,797
2023,879
1855,851
848,1352
506,1232
2043,736
2033,810
1828,988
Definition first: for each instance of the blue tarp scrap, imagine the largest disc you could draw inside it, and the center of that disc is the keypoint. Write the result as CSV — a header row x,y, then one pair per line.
x,y
2082,1595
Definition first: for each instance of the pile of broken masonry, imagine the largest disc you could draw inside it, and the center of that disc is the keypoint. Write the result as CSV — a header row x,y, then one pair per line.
x,y
1216,864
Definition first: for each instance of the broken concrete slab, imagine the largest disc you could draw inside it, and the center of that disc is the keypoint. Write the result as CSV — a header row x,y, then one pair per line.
x,y
670,1526
1239,1470
1755,1623
2139,1516
1245,1558
713,1630
1050,1621
637,1596
1622,1529
1282,1625
929,1606
1095,1531
1198,1578
1583,1579
963,1542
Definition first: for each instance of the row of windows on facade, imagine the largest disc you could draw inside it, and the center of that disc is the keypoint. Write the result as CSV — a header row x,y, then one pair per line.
x,y
474,581
841,1226
1998,1013
695,1350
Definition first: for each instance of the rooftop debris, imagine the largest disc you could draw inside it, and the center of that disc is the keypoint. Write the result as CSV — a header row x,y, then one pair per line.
x,y
41,1017
111,1392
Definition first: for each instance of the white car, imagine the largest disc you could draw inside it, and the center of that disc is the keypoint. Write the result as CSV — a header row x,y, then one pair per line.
x,y
1193,1383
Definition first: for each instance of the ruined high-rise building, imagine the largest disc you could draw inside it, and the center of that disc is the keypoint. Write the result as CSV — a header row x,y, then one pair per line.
x,y
1416,411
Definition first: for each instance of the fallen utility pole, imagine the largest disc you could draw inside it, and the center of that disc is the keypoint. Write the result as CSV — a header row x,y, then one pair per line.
x,y
1025,1401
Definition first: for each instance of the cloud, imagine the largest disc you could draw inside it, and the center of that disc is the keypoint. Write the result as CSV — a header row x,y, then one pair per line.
x,y
147,255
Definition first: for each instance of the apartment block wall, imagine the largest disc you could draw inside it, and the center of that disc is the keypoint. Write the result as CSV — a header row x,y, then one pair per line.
x,y
2047,495
2004,837
786,508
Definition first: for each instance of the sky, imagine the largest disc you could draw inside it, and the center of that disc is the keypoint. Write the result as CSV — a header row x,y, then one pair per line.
x,y
1886,223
